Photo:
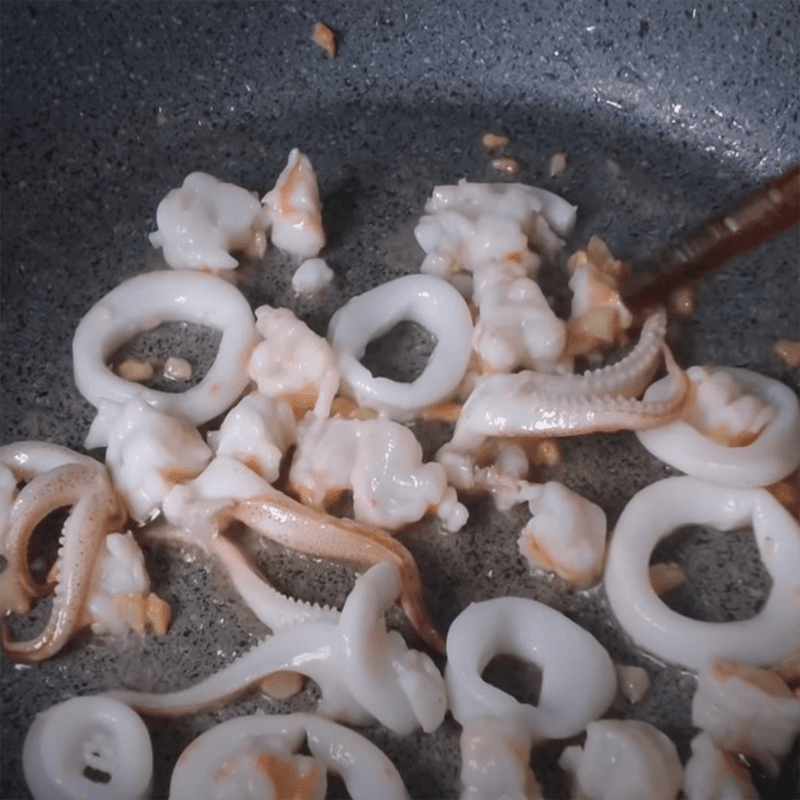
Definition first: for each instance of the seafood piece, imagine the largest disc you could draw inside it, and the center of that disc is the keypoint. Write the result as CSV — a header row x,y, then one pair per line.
x,y
20,462
578,678
293,360
663,507
364,671
567,534
144,302
201,223
472,223
312,276
516,327
258,432
598,314
293,208
633,682
119,597
276,516
95,512
715,774
431,303
494,761
535,404
324,38
739,429
378,460
747,710
256,756
88,748
147,452
623,760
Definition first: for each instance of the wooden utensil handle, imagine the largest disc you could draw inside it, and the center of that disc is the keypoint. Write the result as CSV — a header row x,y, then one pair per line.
x,y
767,212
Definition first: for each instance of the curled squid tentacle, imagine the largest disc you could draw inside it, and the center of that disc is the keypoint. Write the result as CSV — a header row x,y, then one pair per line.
x,y
95,512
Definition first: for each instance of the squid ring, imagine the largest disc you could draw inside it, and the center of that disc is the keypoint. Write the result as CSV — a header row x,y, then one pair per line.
x,y
578,678
430,302
84,738
770,457
143,303
657,511
265,741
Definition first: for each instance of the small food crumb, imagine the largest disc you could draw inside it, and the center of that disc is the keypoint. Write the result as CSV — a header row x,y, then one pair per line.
x,y
281,685
312,276
177,369
633,682
682,301
494,141
508,166
666,577
134,369
325,38
558,164
789,351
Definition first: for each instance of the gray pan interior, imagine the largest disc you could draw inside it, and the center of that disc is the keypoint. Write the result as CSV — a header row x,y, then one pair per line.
x,y
668,111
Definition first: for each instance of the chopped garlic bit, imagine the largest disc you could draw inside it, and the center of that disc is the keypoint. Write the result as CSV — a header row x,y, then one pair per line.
x,y
136,370
666,576
325,38
633,682
789,351
507,166
494,141
177,369
558,164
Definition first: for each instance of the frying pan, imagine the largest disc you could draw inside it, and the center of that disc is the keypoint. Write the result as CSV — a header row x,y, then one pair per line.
x,y
667,112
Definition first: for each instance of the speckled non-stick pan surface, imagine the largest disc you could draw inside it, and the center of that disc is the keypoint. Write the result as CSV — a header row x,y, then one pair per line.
x,y
668,112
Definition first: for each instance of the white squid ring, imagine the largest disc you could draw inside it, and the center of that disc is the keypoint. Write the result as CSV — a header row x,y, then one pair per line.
x,y
430,302
578,678
366,771
771,456
143,303
657,511
88,732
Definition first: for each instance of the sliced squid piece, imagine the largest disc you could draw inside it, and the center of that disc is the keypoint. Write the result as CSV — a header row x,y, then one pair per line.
x,y
201,223
747,710
364,671
430,302
730,404
663,507
578,678
255,757
88,748
623,760
144,302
